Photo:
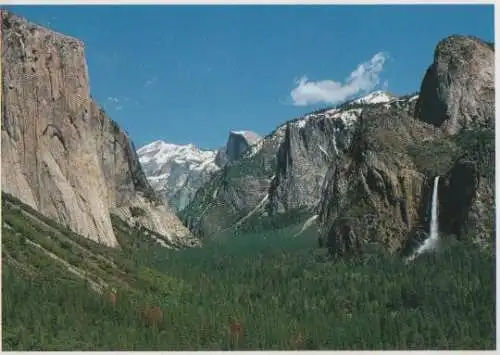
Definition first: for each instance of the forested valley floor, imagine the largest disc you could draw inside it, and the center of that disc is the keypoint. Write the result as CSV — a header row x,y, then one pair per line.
x,y
284,292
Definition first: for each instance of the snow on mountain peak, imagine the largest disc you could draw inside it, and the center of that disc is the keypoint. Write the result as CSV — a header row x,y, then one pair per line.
x,y
162,152
375,97
175,170
250,136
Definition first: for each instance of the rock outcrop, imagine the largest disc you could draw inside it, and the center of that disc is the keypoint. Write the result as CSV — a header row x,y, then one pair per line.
x,y
303,158
237,144
61,154
380,191
458,90
375,192
281,174
467,203
233,192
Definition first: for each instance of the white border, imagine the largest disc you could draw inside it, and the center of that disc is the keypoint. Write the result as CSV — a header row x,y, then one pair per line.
x,y
283,2
245,2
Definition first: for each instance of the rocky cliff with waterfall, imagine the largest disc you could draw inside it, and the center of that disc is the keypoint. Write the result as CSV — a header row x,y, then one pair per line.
x,y
61,153
380,191
375,192
362,172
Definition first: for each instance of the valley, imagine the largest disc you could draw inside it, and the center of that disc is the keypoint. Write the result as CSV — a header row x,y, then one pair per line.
x,y
286,293
364,225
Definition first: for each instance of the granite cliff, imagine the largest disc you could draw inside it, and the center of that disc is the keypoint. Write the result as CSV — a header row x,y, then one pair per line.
x,y
61,153
278,178
458,90
362,172
237,144
380,191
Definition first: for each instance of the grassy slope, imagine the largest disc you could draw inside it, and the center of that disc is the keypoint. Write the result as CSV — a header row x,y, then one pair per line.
x,y
278,287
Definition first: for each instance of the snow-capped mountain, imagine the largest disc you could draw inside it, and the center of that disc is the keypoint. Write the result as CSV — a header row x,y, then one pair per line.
x,y
287,169
345,114
177,171
375,97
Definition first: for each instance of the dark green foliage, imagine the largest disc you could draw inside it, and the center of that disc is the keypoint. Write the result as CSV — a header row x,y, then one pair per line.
x,y
53,314
257,166
436,157
478,145
137,211
137,238
281,288
260,223
321,110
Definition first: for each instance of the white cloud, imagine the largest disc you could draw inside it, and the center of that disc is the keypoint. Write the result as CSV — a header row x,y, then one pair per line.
x,y
113,99
150,82
118,108
363,79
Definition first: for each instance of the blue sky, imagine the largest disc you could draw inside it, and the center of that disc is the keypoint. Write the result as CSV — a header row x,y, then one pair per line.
x,y
190,74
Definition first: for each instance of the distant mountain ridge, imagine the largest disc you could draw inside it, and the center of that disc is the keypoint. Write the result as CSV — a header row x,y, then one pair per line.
x,y
282,173
177,171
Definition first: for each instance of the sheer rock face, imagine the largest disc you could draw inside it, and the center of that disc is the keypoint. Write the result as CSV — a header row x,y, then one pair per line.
x,y
282,173
303,159
375,193
282,176
237,144
467,202
61,154
458,90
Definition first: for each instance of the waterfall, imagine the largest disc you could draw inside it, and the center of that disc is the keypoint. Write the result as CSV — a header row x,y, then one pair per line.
x,y
434,213
431,242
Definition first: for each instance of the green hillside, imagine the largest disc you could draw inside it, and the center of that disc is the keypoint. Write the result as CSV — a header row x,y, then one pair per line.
x,y
285,292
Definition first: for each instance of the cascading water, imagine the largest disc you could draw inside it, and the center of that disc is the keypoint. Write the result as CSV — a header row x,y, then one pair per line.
x,y
431,242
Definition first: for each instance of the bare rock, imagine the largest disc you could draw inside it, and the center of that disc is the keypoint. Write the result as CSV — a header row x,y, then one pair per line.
x,y
374,193
237,144
61,154
458,90
307,150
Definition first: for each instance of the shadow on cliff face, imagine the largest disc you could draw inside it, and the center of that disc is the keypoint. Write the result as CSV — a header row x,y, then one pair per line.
x,y
465,212
458,190
430,108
